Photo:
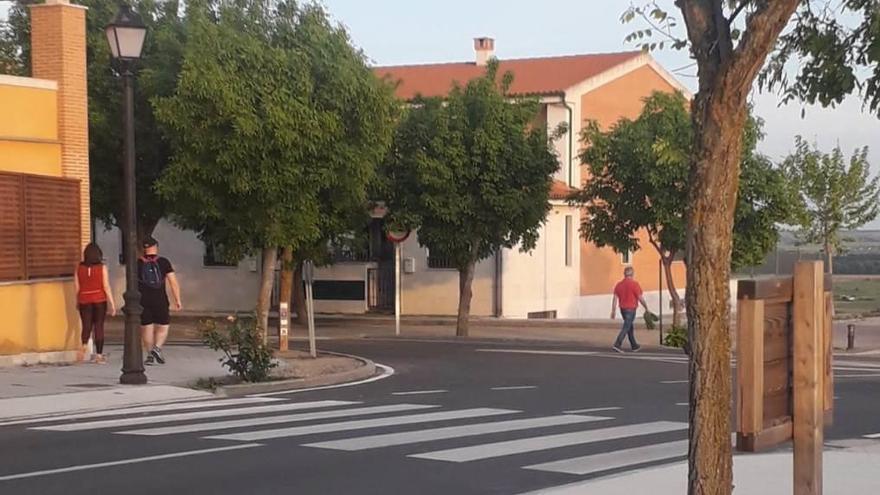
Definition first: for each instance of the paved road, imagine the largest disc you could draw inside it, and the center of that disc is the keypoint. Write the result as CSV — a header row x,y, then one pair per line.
x,y
454,418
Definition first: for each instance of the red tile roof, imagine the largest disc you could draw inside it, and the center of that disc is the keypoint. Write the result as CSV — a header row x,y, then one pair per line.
x,y
560,190
532,76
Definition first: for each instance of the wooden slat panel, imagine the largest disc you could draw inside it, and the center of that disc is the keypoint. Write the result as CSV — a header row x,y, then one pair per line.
x,y
12,260
777,376
777,408
52,226
750,365
768,288
777,331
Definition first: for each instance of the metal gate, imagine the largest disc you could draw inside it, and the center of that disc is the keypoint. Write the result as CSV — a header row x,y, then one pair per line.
x,y
380,287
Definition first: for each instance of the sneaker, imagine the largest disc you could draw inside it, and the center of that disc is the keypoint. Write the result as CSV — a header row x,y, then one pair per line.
x,y
149,361
637,349
617,349
157,353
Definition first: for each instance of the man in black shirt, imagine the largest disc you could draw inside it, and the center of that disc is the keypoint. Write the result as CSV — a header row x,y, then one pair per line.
x,y
153,273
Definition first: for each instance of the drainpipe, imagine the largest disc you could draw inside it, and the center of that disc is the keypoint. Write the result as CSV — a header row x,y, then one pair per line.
x,y
570,139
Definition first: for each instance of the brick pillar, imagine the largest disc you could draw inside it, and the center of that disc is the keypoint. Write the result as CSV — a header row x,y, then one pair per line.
x,y
58,53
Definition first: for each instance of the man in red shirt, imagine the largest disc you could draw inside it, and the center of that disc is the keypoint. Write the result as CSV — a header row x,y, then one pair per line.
x,y
627,294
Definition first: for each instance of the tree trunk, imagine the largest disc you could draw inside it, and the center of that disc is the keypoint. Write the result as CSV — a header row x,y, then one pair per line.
x,y
726,74
465,294
673,293
270,256
299,295
829,254
285,286
714,181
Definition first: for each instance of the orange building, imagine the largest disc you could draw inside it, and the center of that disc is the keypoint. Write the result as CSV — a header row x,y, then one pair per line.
x,y
44,189
549,281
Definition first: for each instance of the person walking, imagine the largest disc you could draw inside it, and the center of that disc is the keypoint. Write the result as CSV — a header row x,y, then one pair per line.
x,y
153,273
628,295
93,297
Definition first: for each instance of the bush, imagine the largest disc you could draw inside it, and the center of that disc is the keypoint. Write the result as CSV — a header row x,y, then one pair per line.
x,y
246,355
677,337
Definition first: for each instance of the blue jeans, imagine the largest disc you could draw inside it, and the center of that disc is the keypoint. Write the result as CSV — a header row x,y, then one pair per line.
x,y
628,330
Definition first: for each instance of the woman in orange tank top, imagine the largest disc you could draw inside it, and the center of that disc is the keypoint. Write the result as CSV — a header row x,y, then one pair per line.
x,y
93,296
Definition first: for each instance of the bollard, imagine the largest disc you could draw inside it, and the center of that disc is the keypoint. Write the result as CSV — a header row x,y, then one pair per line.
x,y
850,337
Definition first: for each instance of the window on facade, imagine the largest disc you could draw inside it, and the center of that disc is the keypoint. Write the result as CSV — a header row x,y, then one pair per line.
x,y
568,239
626,257
214,256
39,226
438,262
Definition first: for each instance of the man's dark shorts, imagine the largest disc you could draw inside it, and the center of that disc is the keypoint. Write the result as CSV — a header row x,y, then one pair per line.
x,y
156,314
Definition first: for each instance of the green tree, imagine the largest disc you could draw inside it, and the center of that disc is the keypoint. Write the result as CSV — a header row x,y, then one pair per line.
x,y
273,109
839,196
157,76
730,42
638,182
473,174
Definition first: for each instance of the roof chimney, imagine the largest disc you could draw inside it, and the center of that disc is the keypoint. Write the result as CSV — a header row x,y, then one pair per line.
x,y
485,48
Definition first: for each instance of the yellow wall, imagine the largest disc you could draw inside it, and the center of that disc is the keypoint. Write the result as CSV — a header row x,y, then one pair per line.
x,y
30,157
28,113
29,128
38,317
601,268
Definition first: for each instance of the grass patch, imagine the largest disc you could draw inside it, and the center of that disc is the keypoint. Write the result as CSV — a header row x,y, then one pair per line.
x,y
856,295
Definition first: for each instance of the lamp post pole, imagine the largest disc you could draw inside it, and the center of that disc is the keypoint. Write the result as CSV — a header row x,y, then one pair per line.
x,y
132,359
125,36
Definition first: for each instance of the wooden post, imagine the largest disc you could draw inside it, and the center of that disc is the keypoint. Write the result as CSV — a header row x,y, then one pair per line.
x,y
750,365
828,344
809,357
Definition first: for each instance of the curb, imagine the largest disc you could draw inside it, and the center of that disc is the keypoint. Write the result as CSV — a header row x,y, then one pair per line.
x,y
367,370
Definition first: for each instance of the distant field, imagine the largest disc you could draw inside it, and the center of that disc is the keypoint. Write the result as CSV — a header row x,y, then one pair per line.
x,y
864,291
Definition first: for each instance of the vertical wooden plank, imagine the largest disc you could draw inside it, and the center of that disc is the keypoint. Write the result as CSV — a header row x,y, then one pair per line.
x,y
828,344
809,320
750,365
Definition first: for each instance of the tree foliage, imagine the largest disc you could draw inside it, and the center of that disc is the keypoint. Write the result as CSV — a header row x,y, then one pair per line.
x,y
274,114
639,182
157,75
472,173
839,196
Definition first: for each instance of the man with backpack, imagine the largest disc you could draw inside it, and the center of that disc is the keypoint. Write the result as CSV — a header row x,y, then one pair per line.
x,y
153,272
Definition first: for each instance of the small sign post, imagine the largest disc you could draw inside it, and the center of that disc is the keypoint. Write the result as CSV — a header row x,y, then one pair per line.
x,y
397,238
283,324
309,278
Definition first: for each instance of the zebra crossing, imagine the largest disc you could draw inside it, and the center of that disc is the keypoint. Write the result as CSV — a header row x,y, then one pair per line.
x,y
483,433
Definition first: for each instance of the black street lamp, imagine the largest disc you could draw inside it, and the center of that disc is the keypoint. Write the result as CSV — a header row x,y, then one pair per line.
x,y
126,37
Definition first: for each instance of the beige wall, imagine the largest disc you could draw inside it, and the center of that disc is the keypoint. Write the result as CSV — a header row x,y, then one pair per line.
x,y
621,98
435,292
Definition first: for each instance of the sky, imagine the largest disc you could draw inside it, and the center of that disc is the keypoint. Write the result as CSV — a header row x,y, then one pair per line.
x,y
422,31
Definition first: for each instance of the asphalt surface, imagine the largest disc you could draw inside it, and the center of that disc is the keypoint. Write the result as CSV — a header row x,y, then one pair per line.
x,y
470,418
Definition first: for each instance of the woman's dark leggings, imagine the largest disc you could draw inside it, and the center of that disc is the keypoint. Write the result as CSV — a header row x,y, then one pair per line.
x,y
92,316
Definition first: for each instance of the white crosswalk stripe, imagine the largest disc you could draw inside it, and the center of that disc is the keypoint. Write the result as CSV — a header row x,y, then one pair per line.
x,y
363,424
176,406
546,442
271,420
165,418
580,431
617,459
433,434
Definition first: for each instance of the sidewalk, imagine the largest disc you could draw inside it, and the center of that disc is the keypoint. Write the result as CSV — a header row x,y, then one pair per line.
x,y
596,333
54,389
850,470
